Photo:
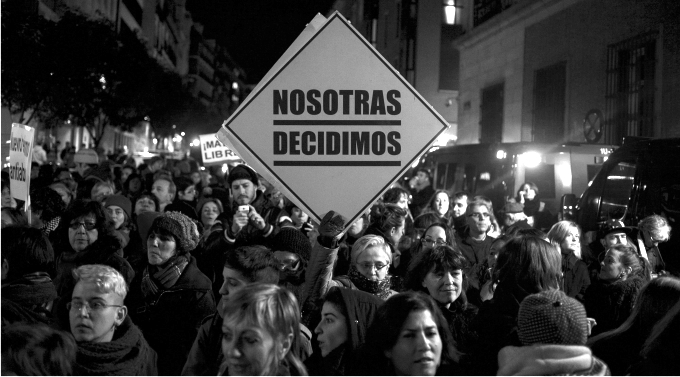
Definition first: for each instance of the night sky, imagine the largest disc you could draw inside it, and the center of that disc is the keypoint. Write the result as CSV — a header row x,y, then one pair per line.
x,y
256,32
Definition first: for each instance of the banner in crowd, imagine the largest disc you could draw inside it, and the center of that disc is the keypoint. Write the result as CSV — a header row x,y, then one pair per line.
x,y
214,152
20,154
332,125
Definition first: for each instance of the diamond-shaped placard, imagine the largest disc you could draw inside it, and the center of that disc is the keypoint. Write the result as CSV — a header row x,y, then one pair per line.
x,y
334,124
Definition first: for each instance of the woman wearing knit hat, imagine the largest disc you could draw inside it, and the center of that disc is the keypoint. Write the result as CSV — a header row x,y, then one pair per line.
x,y
172,296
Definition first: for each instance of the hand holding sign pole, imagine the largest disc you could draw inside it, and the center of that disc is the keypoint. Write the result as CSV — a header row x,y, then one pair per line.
x,y
332,125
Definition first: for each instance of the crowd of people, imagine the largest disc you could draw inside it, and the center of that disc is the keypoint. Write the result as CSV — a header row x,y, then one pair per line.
x,y
171,270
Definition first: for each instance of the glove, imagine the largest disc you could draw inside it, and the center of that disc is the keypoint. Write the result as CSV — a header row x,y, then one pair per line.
x,y
330,229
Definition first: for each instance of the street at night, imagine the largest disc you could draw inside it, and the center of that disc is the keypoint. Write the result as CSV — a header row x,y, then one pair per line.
x,y
340,187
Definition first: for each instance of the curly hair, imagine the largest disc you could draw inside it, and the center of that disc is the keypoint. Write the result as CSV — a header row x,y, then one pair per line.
x,y
106,278
387,216
49,202
256,263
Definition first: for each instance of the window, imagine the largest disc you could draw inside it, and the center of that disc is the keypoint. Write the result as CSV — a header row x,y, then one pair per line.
x,y
630,92
491,121
549,103
616,192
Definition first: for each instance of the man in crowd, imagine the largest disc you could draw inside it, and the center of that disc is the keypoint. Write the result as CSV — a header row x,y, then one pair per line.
x,y
422,191
164,189
459,206
475,244
261,221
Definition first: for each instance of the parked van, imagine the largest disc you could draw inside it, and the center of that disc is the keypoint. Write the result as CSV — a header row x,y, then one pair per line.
x,y
498,170
639,179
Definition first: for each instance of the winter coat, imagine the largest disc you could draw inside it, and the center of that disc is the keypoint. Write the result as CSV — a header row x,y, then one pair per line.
x,y
496,325
170,319
273,216
420,199
361,309
476,252
550,360
610,304
127,354
319,279
210,255
460,324
575,277
27,299
206,357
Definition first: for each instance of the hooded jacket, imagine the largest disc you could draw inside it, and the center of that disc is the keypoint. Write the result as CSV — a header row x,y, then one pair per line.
x,y
171,318
610,304
127,354
361,309
550,360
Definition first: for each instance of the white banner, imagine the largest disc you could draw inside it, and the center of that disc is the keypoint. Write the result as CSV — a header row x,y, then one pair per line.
x,y
20,153
213,151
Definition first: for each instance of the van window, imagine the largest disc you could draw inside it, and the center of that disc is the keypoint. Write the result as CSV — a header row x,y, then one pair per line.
x,y
616,191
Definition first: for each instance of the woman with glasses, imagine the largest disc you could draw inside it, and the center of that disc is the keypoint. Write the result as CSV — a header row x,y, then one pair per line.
x,y
436,234
108,342
439,272
370,260
85,235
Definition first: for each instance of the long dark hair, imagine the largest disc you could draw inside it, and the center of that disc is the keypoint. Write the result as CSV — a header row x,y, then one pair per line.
x,y
441,259
384,331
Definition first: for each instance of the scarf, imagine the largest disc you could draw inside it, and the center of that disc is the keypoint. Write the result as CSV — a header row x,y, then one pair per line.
x,y
166,276
127,354
380,288
50,225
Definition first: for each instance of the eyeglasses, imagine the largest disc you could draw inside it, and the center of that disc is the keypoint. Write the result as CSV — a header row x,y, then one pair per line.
x,y
369,266
429,241
87,225
94,307
480,215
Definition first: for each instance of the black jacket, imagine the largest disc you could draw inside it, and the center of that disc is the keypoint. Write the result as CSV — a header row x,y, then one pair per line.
x,y
170,319
575,280
610,304
273,216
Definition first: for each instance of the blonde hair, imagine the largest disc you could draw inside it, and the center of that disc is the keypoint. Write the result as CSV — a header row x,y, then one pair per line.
x,y
367,241
272,309
559,232
106,278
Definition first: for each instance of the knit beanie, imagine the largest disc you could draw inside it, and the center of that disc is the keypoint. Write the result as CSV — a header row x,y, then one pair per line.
x,y
243,172
293,241
120,201
86,156
181,227
552,317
